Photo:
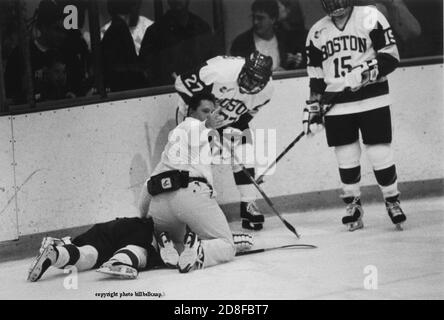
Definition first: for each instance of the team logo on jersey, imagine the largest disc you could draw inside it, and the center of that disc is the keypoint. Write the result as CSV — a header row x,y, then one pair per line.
x,y
343,43
225,90
318,33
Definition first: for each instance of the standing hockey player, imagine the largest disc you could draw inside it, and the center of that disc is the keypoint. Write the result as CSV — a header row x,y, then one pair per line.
x,y
182,203
242,87
120,247
352,50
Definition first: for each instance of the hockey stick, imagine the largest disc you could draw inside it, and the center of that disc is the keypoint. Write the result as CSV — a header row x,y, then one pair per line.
x,y
296,140
283,153
285,222
288,246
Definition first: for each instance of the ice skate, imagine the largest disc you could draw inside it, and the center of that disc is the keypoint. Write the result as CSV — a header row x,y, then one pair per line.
x,y
118,269
167,251
243,242
50,241
46,258
354,211
252,218
192,257
395,212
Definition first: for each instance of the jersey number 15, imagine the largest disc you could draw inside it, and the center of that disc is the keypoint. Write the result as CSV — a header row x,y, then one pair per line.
x,y
342,66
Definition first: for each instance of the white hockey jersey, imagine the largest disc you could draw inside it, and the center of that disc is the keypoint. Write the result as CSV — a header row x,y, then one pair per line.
x,y
188,149
333,52
219,76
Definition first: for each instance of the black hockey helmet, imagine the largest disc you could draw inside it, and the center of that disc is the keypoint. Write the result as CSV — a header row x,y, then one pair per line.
x,y
256,73
336,8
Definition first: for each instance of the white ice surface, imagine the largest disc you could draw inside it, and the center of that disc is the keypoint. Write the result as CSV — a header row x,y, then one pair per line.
x,y
410,264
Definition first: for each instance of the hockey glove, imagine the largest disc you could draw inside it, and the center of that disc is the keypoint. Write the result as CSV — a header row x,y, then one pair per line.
x,y
312,118
362,75
243,241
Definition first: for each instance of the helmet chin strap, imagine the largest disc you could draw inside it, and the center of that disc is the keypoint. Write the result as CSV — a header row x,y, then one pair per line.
x,y
340,13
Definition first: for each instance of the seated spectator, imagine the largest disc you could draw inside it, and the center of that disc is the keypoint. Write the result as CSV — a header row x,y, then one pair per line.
x,y
406,27
8,28
54,84
424,20
291,22
178,42
120,60
76,52
48,34
137,25
265,38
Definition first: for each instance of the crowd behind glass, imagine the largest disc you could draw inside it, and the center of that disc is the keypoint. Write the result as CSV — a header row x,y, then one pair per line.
x,y
137,52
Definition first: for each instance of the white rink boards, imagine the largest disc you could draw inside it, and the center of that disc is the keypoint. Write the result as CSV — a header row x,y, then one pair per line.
x,y
8,214
82,165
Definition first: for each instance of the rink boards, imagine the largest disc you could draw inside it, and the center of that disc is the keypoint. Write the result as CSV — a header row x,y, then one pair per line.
x,y
77,166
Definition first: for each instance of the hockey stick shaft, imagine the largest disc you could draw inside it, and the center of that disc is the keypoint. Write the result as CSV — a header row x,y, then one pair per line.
x,y
290,146
290,246
270,204
283,153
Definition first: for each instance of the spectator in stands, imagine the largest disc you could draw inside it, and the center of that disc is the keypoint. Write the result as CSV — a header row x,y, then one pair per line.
x,y
424,20
120,60
8,28
137,25
48,34
267,39
291,23
76,52
178,42
54,84
406,27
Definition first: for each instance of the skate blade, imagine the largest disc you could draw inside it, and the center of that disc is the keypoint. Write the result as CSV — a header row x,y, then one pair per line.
x,y
118,273
399,227
187,261
170,257
355,226
35,271
247,225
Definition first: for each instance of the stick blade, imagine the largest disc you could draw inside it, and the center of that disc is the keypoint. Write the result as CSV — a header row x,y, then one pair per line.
x,y
291,228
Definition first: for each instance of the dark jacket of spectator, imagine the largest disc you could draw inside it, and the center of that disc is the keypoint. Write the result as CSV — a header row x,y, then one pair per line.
x,y
269,36
169,48
48,36
14,74
120,61
244,45
78,62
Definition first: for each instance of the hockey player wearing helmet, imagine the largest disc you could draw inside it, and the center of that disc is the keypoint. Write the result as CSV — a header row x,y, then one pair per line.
x,y
337,8
241,87
351,51
255,74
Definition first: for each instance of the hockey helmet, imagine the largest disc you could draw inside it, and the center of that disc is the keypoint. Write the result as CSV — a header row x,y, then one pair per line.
x,y
335,8
255,73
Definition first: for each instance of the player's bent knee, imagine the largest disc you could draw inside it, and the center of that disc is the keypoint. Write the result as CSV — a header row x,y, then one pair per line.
x,y
380,156
348,156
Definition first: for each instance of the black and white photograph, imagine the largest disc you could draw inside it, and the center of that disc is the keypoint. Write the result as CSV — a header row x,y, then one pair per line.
x,y
221,155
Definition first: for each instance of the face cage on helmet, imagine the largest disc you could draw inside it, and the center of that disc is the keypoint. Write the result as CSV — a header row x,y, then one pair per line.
x,y
336,8
251,84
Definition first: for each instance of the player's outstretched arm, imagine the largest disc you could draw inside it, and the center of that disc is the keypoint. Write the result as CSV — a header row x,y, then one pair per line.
x,y
144,201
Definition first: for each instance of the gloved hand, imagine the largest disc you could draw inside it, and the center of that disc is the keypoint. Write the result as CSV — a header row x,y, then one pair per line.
x,y
362,75
215,119
312,118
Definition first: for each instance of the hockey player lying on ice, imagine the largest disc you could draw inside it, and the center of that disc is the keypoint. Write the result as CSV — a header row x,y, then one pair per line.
x,y
124,246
